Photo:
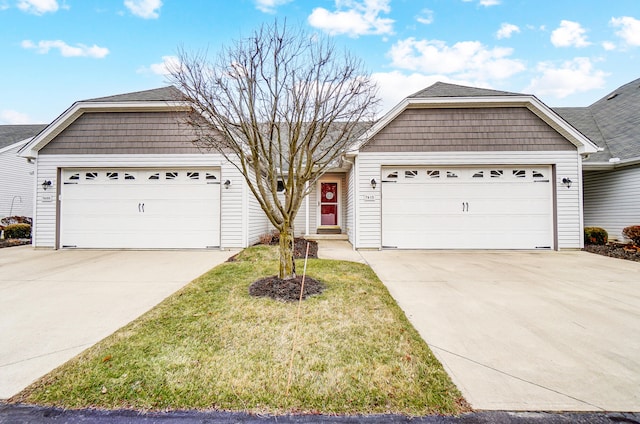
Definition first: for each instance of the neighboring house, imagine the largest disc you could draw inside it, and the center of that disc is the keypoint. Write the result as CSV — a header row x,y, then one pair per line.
x,y
612,175
449,167
16,173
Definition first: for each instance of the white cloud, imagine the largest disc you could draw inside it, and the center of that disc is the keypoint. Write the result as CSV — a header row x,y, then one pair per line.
x,y
395,85
80,50
569,34
466,60
507,30
11,117
164,68
485,3
269,6
629,29
38,7
147,9
353,17
425,16
573,76
608,45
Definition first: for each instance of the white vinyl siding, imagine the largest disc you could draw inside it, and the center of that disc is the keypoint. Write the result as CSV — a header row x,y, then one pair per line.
x,y
349,203
299,223
567,201
258,223
612,200
17,178
231,215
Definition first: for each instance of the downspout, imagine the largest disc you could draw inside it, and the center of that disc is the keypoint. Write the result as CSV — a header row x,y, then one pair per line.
x,y
581,200
306,206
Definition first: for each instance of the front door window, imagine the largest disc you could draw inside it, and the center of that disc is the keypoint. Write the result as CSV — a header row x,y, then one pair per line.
x,y
328,203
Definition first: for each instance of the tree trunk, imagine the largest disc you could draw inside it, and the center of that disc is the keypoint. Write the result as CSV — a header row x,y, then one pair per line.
x,y
287,263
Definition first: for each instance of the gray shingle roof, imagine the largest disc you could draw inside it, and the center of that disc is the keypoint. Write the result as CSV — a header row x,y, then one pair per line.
x,y
164,94
441,89
614,124
582,119
10,134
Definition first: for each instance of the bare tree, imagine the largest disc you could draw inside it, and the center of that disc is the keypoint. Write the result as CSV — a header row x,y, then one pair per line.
x,y
281,105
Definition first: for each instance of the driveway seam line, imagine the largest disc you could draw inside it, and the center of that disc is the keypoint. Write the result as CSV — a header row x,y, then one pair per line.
x,y
45,354
514,376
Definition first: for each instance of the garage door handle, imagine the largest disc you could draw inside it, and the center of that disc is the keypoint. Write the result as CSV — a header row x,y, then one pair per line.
x,y
467,203
141,207
465,206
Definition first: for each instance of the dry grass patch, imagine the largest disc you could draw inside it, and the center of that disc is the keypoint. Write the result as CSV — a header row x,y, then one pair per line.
x,y
212,346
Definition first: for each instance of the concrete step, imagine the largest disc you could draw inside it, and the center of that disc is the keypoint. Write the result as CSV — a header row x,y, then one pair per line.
x,y
317,237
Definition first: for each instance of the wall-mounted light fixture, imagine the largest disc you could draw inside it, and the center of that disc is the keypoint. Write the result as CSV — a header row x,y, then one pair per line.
x,y
566,181
46,184
373,183
227,184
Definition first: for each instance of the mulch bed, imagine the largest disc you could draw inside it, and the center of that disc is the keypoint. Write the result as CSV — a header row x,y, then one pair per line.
x,y
13,242
299,246
615,250
285,290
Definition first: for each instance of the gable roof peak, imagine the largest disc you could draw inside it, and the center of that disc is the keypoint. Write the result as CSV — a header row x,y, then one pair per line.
x,y
162,94
443,89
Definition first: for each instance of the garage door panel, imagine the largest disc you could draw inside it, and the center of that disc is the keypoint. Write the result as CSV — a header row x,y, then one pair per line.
x,y
511,211
141,212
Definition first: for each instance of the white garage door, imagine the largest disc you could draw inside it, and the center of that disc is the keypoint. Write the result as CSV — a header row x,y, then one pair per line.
x,y
129,208
495,207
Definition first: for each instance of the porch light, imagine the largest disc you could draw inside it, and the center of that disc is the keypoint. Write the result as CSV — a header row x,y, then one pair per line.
x,y
227,184
566,181
46,184
373,183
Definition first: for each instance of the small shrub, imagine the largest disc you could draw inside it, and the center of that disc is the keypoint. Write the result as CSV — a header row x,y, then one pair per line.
x,y
17,231
633,233
8,220
270,238
595,235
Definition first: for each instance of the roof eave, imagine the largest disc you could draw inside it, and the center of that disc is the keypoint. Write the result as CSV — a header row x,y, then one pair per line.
x,y
602,166
14,145
31,149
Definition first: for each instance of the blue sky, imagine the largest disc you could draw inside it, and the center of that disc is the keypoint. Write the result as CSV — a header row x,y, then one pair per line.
x,y
568,53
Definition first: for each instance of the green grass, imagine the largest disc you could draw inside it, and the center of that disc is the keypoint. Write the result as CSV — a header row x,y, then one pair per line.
x,y
212,346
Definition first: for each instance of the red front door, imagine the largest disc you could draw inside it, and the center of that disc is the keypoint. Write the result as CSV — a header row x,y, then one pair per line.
x,y
328,203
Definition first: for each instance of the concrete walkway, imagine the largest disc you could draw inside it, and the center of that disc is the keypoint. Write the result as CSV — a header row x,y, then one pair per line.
x,y
338,249
525,330
55,304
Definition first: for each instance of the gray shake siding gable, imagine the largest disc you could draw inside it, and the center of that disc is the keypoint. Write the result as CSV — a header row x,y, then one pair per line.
x,y
465,129
123,133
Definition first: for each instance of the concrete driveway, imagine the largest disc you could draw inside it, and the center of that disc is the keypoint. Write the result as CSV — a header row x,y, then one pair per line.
x,y
55,304
525,330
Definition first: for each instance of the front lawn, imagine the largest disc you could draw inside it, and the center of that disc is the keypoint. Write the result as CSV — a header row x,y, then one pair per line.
x,y
212,346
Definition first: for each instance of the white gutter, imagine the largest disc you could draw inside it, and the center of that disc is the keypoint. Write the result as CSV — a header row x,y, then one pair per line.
x,y
611,164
